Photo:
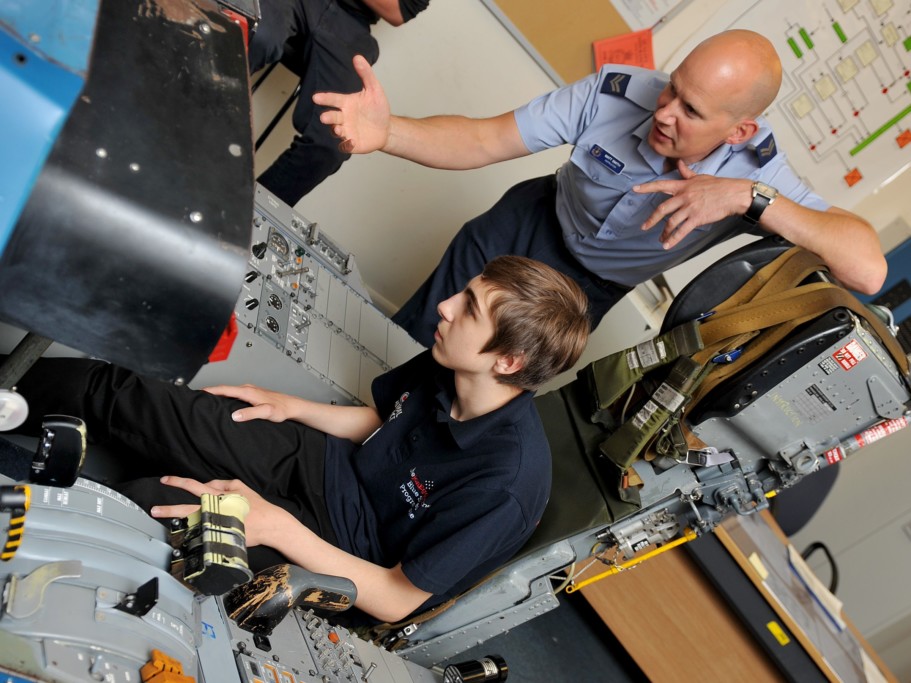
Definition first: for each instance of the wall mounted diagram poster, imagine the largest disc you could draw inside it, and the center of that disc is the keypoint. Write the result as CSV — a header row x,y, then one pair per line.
x,y
843,115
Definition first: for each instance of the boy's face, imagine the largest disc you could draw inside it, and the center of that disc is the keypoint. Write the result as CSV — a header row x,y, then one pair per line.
x,y
464,329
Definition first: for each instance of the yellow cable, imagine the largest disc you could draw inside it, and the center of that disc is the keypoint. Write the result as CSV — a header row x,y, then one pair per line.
x,y
688,535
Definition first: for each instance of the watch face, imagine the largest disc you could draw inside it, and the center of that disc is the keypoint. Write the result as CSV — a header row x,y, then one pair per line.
x,y
764,190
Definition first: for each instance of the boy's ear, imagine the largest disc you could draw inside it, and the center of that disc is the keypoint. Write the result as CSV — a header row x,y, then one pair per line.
x,y
509,364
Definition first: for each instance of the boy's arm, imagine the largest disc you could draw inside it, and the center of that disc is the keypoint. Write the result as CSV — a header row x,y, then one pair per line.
x,y
346,422
385,594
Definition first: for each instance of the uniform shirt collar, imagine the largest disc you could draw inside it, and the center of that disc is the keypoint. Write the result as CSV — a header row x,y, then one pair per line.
x,y
713,162
652,158
466,433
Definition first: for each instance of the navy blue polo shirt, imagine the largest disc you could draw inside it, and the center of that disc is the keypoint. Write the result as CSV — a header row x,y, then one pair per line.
x,y
450,500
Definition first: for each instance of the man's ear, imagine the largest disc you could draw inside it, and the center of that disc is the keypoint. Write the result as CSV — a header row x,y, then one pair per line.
x,y
743,131
509,364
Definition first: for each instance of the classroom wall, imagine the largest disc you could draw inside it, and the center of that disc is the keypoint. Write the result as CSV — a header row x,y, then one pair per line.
x,y
398,217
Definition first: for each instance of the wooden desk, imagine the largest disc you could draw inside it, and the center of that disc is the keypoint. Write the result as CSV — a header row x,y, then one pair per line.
x,y
677,626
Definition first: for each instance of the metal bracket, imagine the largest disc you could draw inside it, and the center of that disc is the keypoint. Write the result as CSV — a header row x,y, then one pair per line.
x,y
25,596
144,599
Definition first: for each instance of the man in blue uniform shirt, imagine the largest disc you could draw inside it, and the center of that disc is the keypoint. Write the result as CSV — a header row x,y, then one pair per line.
x,y
414,500
639,136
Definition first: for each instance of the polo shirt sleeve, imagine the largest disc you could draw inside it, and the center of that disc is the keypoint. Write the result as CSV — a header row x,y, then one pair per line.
x,y
388,387
471,533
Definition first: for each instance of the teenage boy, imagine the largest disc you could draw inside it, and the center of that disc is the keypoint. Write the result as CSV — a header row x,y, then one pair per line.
x,y
414,500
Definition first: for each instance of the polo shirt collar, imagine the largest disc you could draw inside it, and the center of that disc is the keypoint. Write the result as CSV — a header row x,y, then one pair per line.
x,y
466,433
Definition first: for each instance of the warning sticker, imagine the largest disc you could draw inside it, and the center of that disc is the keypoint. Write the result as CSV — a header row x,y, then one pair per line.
x,y
835,455
849,355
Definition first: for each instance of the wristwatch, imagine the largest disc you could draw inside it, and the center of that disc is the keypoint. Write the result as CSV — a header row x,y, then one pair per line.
x,y
763,196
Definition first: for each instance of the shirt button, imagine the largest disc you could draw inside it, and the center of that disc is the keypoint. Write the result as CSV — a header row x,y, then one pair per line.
x,y
414,437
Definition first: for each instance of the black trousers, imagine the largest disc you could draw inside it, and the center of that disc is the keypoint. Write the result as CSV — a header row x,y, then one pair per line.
x,y
523,222
325,38
162,429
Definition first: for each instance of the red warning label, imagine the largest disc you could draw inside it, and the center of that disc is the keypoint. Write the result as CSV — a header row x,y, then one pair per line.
x,y
849,355
835,455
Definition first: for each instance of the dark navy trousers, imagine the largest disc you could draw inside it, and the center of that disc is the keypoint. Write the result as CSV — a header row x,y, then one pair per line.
x,y
164,429
325,38
523,222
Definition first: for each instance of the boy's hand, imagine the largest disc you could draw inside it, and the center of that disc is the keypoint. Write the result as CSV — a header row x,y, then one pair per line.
x,y
264,404
263,522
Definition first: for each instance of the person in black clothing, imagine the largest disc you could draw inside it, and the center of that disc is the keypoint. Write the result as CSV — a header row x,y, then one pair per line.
x,y
414,500
324,35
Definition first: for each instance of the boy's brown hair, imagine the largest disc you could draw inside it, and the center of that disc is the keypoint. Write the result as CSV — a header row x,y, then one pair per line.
x,y
538,313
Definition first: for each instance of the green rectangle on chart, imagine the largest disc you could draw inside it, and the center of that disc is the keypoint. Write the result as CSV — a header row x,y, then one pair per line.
x,y
795,47
806,38
881,130
839,32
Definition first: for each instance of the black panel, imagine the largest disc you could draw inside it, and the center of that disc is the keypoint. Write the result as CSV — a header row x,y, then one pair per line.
x,y
789,356
132,245
748,603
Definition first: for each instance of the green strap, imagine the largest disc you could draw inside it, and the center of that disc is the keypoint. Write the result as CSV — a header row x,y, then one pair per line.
x,y
625,444
608,378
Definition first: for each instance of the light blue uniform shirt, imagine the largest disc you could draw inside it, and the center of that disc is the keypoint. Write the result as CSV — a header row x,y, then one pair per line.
x,y
607,117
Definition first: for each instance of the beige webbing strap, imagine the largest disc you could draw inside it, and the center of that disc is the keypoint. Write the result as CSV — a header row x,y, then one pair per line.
x,y
802,303
786,271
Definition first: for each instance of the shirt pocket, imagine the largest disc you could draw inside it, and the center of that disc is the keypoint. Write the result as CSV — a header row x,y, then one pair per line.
x,y
600,173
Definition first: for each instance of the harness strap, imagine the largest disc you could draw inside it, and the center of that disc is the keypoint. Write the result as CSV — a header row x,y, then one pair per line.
x,y
624,444
608,378
769,306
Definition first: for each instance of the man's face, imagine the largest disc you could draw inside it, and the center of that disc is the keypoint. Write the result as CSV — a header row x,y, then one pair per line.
x,y
690,121
464,329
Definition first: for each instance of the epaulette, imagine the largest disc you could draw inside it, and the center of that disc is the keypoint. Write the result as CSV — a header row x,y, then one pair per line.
x,y
766,150
615,83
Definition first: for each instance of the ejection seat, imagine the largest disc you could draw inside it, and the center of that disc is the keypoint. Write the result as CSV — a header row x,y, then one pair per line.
x,y
593,508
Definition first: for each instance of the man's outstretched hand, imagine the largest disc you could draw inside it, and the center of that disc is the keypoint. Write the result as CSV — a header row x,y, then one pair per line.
x,y
361,119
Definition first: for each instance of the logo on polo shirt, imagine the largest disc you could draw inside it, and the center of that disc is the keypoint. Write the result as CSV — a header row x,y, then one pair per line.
x,y
397,409
415,492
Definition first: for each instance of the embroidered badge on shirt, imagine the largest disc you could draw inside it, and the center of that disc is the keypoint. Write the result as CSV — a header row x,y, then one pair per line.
x,y
397,409
415,493
606,159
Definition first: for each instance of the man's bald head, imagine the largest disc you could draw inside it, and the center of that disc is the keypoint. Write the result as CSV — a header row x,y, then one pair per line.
x,y
742,64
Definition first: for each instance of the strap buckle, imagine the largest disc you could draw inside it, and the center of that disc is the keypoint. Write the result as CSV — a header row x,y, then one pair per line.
x,y
706,457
